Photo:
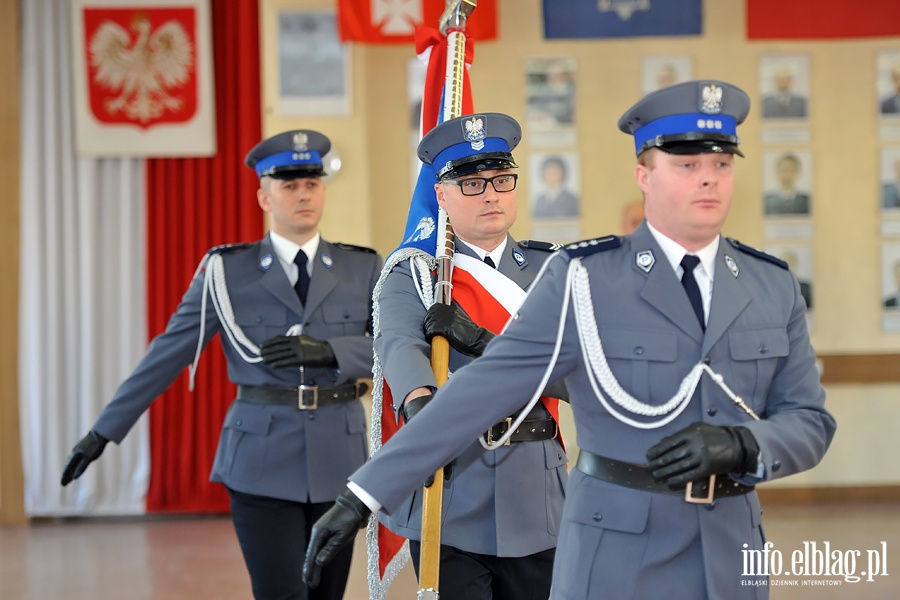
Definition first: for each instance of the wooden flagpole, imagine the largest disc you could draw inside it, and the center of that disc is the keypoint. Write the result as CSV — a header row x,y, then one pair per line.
x,y
453,25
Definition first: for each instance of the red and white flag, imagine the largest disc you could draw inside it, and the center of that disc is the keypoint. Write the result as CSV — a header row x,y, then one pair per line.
x,y
143,78
821,19
395,21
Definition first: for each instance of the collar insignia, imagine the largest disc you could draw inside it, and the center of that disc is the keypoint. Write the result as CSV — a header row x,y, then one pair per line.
x,y
645,260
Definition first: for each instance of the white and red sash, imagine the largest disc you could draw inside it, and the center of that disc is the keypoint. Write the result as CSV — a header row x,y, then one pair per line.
x,y
490,298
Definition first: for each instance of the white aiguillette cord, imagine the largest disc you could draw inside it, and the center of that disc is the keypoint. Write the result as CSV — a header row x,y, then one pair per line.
x,y
214,287
598,367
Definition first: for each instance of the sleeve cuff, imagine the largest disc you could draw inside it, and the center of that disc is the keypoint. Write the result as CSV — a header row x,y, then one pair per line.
x,y
363,495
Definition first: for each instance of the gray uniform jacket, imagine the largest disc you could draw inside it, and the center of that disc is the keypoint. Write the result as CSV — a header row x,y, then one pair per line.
x,y
617,542
274,451
506,502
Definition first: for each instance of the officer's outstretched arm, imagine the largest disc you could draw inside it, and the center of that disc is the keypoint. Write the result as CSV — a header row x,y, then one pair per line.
x,y
84,453
334,530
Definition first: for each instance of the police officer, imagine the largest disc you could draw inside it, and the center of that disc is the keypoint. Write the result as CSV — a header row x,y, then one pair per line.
x,y
501,506
297,428
655,368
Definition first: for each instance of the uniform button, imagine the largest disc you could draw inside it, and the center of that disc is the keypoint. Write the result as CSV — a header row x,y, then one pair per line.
x,y
706,360
259,318
763,349
639,350
346,315
712,411
776,466
709,507
312,416
597,517
238,422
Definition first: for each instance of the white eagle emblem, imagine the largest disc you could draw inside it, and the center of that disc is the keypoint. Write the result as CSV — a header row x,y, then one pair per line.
x,y
300,142
141,70
424,230
711,99
474,132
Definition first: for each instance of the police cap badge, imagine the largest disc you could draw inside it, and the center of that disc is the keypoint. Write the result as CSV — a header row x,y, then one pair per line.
x,y
694,117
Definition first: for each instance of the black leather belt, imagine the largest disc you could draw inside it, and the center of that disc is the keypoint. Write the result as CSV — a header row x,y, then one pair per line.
x,y
638,477
304,397
533,430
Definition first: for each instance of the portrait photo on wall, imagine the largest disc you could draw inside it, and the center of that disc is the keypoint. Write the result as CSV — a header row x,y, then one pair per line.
x,y
662,71
555,186
787,183
799,259
890,180
313,65
550,117
784,85
888,84
890,276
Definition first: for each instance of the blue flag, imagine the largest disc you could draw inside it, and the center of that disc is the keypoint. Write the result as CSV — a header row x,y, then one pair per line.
x,y
621,18
422,220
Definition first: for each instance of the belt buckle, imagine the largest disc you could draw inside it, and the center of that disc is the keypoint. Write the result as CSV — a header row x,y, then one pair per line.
x,y
707,499
490,432
301,404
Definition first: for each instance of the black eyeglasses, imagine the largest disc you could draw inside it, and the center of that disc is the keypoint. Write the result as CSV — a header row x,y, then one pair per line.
x,y
476,185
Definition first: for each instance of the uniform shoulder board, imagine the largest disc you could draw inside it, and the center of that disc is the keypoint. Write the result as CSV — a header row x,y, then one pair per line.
x,y
758,253
587,247
227,248
343,246
536,245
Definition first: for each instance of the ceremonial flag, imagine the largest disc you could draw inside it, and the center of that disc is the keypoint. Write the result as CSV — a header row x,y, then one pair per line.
x,y
821,19
621,18
388,552
395,21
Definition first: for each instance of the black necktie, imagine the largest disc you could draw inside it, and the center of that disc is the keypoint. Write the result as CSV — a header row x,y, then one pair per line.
x,y
302,285
489,262
689,263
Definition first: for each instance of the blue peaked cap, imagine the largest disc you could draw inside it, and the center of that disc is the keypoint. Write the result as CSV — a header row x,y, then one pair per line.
x,y
470,144
290,155
693,117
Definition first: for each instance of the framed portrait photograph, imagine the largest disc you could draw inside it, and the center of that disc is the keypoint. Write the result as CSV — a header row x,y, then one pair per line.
x,y
784,86
550,104
890,286
787,183
313,65
658,72
888,84
555,186
890,180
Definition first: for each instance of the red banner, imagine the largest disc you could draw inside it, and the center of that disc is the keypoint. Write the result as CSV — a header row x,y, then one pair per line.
x,y
821,19
395,21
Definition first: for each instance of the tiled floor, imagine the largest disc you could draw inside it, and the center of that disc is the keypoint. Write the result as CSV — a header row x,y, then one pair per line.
x,y
181,558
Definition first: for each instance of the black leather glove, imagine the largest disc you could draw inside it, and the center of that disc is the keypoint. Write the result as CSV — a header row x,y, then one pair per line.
x,y
297,351
700,450
412,407
84,453
451,322
334,530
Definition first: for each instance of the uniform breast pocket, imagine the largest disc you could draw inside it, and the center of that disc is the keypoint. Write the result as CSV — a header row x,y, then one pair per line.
x,y
756,355
640,358
260,322
346,318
